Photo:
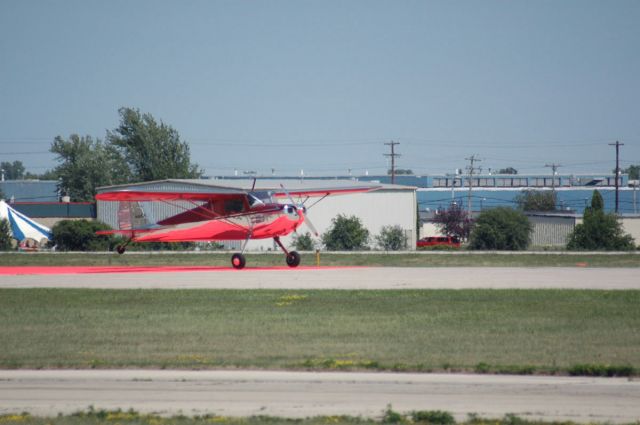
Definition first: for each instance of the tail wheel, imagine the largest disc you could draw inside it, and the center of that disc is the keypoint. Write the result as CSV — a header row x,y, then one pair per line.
x,y
238,261
120,249
293,259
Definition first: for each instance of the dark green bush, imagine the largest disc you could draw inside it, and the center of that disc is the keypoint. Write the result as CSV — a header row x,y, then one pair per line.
x,y
434,417
303,242
5,235
601,370
346,234
392,417
599,230
161,246
80,235
501,228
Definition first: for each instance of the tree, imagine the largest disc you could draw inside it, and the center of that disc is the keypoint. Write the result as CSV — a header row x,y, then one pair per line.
x,y
86,164
80,235
501,228
47,175
391,238
5,235
401,171
454,221
151,150
508,170
346,234
303,242
536,200
13,170
633,171
599,230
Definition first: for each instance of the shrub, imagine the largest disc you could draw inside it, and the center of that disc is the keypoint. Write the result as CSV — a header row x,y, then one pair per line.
x,y
601,370
80,235
346,234
161,246
303,242
454,221
501,228
391,238
5,236
599,230
536,200
434,417
392,417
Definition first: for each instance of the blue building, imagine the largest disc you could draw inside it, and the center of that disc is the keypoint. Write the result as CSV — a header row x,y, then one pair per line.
x,y
573,192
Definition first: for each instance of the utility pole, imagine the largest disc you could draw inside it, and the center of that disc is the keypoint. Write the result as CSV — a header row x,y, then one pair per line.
x,y
471,169
553,167
393,155
617,144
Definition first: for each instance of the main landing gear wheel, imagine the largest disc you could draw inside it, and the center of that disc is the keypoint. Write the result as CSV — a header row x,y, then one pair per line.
x,y
293,259
238,261
120,249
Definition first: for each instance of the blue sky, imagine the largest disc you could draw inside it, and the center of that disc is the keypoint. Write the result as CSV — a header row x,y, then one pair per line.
x,y
322,85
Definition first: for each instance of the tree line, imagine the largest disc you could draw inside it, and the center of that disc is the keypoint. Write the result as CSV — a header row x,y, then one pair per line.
x,y
139,149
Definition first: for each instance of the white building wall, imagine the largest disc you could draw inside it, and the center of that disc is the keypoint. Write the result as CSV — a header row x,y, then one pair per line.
x,y
631,225
374,209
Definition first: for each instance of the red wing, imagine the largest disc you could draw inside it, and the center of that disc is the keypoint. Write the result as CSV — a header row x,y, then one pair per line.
x,y
135,195
195,206
326,192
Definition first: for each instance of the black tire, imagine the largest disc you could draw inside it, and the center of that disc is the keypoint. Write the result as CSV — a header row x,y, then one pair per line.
x,y
293,259
120,249
238,261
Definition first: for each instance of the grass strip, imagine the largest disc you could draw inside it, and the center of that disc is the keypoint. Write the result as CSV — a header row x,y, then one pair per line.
x,y
388,416
486,331
378,259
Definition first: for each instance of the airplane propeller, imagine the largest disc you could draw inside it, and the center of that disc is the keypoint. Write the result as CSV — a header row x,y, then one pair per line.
x,y
300,209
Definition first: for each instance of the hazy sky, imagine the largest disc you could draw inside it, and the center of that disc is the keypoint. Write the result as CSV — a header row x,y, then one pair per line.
x,y
321,85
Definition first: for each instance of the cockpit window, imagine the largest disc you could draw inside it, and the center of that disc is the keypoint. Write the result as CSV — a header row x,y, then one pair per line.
x,y
259,198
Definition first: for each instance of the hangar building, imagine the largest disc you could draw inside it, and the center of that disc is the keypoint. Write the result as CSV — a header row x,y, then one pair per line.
x,y
389,205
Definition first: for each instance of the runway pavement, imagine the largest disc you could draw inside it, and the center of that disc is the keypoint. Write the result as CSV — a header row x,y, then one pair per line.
x,y
302,394
341,278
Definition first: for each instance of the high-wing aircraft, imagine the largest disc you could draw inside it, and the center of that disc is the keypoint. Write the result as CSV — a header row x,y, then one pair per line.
x,y
216,214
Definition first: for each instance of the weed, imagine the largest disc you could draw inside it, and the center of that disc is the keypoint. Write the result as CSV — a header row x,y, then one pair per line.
x,y
433,417
392,417
601,370
482,368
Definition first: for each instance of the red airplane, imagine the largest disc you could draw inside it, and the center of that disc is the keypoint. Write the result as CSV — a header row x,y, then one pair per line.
x,y
222,214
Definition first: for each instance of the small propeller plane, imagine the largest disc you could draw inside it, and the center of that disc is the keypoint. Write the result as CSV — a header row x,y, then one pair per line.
x,y
216,214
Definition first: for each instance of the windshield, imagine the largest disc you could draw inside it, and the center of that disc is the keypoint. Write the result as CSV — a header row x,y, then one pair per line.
x,y
259,198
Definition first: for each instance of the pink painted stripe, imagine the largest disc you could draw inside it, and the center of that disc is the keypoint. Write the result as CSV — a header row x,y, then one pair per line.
x,y
45,270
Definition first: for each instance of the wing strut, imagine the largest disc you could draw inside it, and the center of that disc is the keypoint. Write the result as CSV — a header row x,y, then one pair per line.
x,y
318,201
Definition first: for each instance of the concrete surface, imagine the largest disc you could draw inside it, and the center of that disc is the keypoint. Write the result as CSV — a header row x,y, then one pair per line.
x,y
301,394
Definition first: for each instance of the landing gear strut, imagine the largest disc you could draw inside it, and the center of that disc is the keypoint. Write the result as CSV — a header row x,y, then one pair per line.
x,y
292,257
120,249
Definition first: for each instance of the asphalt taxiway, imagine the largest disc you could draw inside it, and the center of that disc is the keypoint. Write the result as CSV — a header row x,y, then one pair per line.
x,y
357,278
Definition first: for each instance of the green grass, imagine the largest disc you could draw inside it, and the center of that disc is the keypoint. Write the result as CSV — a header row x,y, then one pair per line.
x,y
130,417
432,259
502,331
